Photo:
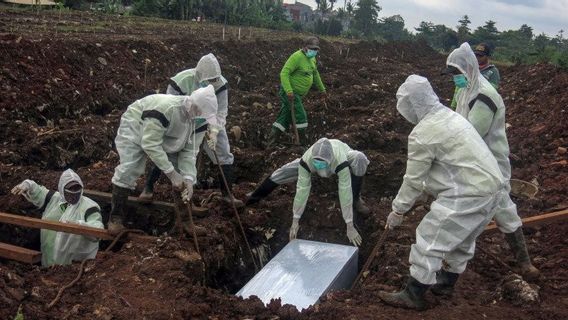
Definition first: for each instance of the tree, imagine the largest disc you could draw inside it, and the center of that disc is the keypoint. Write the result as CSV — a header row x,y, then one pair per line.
x,y
463,29
392,28
366,15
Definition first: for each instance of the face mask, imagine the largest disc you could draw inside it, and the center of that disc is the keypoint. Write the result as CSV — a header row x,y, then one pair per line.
x,y
72,196
199,121
460,80
204,84
311,53
319,164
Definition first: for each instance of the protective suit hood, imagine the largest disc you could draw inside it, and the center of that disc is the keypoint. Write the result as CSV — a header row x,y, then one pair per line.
x,y
416,98
66,177
202,103
464,60
323,150
207,68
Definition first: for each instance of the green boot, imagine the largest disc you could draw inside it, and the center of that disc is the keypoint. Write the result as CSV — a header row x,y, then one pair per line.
x,y
516,241
275,134
412,297
445,283
117,212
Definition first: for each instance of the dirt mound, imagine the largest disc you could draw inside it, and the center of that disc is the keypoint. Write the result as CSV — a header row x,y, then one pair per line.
x,y
64,83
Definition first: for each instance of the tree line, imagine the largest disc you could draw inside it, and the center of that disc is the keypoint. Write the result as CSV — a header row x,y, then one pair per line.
x,y
360,19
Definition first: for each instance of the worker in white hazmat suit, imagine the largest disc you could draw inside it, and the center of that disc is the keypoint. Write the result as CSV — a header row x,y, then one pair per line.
x,y
327,157
479,102
67,205
163,128
449,160
207,71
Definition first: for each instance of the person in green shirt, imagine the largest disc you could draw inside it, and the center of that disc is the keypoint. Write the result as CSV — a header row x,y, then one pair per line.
x,y
298,75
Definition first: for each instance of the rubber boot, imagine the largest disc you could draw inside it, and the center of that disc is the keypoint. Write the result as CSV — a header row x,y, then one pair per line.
x,y
411,297
302,134
275,134
117,212
153,176
261,192
445,283
516,241
358,203
228,172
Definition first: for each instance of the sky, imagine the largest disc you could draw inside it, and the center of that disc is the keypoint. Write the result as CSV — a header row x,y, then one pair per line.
x,y
548,16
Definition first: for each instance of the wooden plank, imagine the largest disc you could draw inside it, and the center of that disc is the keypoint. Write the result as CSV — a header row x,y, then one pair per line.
x,y
536,220
105,197
16,253
54,225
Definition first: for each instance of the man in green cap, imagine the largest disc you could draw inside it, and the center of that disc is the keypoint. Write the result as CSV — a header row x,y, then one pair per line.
x,y
297,77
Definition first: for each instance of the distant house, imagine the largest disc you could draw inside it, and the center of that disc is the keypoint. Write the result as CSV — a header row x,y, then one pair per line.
x,y
299,12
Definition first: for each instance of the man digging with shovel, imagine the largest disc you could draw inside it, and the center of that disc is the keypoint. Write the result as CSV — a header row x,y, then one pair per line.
x,y
449,160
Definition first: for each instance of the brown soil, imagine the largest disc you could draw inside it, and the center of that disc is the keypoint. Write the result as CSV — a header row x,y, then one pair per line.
x,y
65,80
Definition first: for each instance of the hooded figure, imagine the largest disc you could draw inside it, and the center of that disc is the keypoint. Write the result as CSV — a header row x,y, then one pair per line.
x,y
207,71
447,159
480,103
163,128
325,158
67,205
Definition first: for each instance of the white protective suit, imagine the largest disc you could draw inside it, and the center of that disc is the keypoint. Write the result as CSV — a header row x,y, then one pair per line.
x,y
489,121
341,159
60,247
163,128
187,81
448,158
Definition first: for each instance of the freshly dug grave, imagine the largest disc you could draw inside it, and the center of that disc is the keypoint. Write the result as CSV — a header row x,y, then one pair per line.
x,y
62,94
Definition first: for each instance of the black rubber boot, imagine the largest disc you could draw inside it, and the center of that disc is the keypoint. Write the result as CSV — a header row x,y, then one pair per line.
x,y
151,179
516,241
117,211
358,204
445,283
273,137
261,192
228,172
411,297
302,134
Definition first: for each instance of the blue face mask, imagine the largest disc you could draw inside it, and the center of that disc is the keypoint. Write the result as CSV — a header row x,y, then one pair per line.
x,y
319,164
311,53
199,121
204,84
460,80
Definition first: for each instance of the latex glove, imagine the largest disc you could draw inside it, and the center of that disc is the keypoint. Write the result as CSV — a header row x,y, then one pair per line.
x,y
294,228
212,138
353,235
176,179
22,188
394,220
187,192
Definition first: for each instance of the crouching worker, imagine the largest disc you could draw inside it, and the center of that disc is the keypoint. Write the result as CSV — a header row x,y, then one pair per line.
x,y
66,205
325,158
449,159
163,128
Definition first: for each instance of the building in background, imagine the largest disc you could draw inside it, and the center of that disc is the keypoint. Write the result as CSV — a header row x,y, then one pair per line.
x,y
299,12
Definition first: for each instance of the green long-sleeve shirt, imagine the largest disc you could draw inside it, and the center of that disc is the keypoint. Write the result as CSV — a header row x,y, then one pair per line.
x,y
299,74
